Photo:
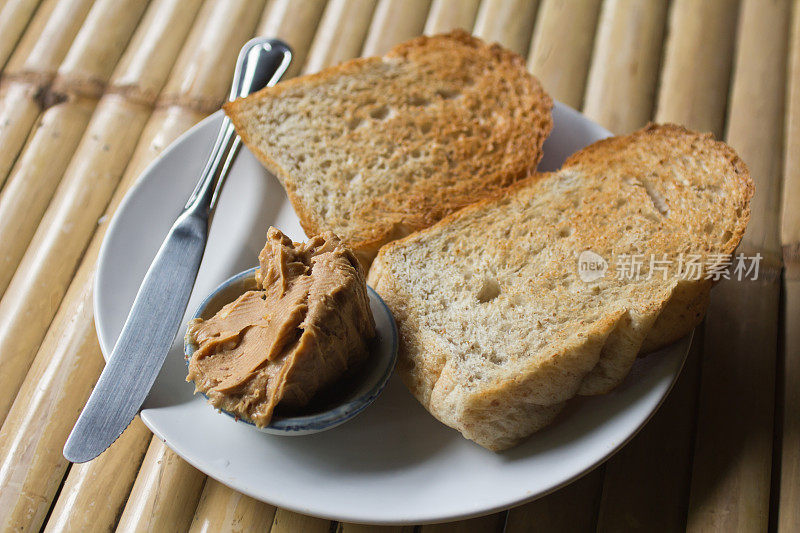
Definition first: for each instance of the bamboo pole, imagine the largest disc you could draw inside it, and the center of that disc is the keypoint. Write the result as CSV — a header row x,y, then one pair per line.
x,y
138,78
562,47
53,380
697,64
572,508
103,490
731,472
446,15
360,528
14,18
646,494
223,509
789,500
508,22
294,21
286,521
96,490
625,63
169,120
153,502
30,71
34,293
341,33
637,490
484,524
394,21
36,175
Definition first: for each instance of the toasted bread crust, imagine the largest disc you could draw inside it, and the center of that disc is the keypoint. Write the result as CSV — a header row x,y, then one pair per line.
x,y
501,412
491,81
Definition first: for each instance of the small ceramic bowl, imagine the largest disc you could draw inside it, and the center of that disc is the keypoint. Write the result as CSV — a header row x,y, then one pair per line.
x,y
347,397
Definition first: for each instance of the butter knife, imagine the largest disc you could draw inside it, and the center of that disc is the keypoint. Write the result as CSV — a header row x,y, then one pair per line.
x,y
160,304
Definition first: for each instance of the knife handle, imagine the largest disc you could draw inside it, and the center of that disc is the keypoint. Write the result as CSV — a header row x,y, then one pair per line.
x,y
256,61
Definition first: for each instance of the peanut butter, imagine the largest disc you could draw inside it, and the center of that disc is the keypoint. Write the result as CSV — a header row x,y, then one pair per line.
x,y
307,323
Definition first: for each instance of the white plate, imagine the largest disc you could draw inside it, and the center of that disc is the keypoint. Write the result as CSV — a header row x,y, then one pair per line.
x,y
392,464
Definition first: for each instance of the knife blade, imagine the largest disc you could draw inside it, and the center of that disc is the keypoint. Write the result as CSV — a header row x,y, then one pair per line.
x,y
160,304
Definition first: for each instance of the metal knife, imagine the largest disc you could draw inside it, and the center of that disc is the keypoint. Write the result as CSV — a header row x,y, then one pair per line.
x,y
160,304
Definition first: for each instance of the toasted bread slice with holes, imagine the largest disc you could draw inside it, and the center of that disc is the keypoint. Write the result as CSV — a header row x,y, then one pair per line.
x,y
376,148
498,325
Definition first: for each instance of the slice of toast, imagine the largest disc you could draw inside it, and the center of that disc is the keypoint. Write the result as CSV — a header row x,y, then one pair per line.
x,y
499,325
376,148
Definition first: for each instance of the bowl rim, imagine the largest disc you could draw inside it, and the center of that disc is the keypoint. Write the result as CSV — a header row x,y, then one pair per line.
x,y
323,420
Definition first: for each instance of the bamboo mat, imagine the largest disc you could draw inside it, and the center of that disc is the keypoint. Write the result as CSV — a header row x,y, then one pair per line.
x,y
91,91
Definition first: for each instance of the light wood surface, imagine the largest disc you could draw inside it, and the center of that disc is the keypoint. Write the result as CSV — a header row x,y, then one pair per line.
x,y
32,297
223,509
704,462
361,528
14,18
165,494
732,461
286,521
294,21
35,176
572,508
393,22
697,64
93,494
627,51
47,38
446,15
562,47
30,71
55,378
492,523
508,22
789,392
139,76
341,33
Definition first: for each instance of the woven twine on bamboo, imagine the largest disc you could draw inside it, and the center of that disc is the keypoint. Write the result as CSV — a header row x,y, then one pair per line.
x,y
624,70
628,493
30,70
79,82
167,122
789,501
14,18
733,453
103,153
32,296
170,120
